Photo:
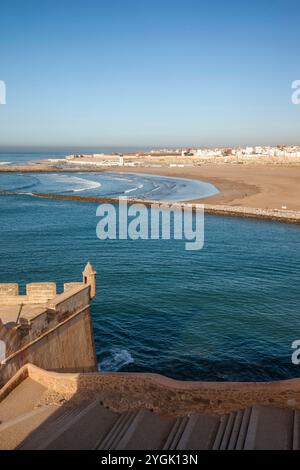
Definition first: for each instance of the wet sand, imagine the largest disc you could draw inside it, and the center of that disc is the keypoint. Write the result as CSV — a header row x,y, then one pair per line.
x,y
256,186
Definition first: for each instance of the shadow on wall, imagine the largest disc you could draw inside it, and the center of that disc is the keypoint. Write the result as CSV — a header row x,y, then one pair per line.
x,y
82,411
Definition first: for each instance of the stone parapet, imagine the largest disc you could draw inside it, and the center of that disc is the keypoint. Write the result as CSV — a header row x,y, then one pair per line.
x,y
51,330
127,391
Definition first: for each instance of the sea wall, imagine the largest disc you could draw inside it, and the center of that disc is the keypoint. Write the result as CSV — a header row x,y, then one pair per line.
x,y
55,334
125,391
66,347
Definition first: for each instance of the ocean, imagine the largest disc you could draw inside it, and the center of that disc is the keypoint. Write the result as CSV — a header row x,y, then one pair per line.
x,y
19,156
226,312
108,184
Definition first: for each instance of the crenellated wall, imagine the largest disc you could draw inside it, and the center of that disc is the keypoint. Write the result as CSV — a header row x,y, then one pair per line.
x,y
36,293
53,331
9,290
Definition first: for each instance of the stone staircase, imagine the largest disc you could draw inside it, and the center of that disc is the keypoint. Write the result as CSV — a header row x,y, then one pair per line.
x,y
29,422
92,426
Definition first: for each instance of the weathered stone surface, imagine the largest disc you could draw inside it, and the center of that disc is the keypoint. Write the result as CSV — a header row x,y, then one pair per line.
x,y
81,420
9,290
51,330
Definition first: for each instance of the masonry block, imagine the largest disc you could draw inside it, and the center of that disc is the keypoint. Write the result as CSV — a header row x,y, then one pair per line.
x,y
41,291
9,289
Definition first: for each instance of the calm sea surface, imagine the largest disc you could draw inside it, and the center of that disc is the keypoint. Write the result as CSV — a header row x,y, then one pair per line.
x,y
227,312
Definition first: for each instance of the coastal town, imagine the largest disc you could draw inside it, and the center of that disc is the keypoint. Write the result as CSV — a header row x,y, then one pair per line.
x,y
150,231
257,181
188,156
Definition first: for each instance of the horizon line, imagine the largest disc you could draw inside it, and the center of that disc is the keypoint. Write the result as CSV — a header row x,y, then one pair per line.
x,y
137,146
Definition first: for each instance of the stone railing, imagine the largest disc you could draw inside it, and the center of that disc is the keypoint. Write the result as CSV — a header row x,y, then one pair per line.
x,y
126,391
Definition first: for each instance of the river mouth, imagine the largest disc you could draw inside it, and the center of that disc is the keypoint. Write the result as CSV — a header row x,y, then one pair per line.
x,y
108,185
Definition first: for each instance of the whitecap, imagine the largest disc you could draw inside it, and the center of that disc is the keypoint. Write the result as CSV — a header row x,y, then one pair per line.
x,y
85,184
25,194
130,190
75,184
117,359
91,185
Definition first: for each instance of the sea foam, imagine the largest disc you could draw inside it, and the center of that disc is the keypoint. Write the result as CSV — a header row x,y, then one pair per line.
x,y
117,359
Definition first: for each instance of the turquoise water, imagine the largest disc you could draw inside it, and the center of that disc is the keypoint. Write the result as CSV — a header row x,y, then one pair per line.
x,y
227,312
108,184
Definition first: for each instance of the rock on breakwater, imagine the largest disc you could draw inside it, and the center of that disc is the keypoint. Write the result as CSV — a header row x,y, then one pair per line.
x,y
278,215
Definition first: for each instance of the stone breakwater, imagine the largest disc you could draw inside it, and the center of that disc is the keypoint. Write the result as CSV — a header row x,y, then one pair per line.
x,y
278,215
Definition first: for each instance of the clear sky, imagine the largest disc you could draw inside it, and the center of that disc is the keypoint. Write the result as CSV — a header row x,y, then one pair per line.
x,y
148,72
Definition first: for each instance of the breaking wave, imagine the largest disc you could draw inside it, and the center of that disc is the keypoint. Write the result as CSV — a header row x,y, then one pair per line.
x,y
85,184
116,359
91,185
130,190
108,185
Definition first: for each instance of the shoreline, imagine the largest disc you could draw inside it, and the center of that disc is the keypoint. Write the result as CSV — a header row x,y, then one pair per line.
x,y
270,192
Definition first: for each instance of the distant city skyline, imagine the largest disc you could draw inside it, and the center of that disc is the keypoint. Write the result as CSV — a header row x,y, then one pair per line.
x,y
149,74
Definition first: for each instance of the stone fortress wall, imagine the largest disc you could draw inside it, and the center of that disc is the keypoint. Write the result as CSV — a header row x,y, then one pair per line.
x,y
51,330
49,339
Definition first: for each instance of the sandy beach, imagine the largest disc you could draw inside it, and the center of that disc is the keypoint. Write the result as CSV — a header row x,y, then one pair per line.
x,y
257,186
242,187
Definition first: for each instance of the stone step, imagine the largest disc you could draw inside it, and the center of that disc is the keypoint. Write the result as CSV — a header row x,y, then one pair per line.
x,y
147,431
21,400
240,442
66,422
228,431
220,432
51,429
232,435
84,433
199,433
92,426
296,431
175,433
270,429
15,431
118,431
231,445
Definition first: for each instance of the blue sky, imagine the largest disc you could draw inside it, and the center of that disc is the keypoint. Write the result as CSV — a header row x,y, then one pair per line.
x,y
149,73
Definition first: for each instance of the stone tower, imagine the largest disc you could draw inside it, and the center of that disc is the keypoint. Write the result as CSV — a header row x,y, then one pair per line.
x,y
89,277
